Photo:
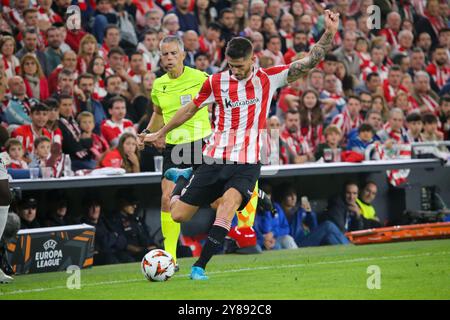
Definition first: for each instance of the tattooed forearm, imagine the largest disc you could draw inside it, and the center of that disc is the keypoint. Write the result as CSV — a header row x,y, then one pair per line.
x,y
301,67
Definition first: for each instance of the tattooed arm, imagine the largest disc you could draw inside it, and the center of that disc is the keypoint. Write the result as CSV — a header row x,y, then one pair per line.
x,y
301,67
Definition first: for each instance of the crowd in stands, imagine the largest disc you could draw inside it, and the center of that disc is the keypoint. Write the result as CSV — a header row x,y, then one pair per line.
x,y
86,92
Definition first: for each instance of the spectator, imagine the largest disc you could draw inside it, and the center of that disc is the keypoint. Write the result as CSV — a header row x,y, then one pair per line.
x,y
97,68
417,62
10,61
132,227
203,14
300,44
393,24
431,21
379,105
15,151
41,153
404,102
71,132
366,102
430,129
69,62
209,43
346,80
392,84
171,25
311,118
376,65
150,50
439,69
274,49
186,19
191,47
372,84
27,209
423,98
273,231
125,155
110,246
286,30
333,138
87,102
104,16
52,122
17,109
405,43
315,79
227,19
202,63
295,148
98,144
153,17
343,210
415,125
424,43
348,55
394,132
53,52
27,133
331,99
364,139
34,78
303,222
364,202
57,212
254,25
113,128
110,41
30,40
88,51
350,118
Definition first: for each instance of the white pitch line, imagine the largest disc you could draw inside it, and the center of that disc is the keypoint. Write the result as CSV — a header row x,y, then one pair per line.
x,y
234,271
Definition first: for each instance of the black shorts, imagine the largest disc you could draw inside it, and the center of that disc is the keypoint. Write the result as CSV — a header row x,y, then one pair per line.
x,y
210,181
183,155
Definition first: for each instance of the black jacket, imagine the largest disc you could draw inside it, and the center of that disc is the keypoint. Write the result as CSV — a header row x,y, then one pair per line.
x,y
338,213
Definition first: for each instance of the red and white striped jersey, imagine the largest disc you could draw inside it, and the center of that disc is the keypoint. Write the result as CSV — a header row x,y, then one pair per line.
x,y
241,113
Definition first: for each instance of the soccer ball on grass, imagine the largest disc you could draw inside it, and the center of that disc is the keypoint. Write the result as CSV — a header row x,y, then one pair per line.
x,y
158,265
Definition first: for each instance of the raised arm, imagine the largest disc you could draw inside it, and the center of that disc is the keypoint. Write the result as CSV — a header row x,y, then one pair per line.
x,y
301,67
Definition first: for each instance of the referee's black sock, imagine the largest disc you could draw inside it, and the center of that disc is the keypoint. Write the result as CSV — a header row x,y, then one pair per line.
x,y
216,237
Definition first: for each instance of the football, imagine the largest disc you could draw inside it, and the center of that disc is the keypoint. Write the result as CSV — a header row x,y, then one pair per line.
x,y
158,265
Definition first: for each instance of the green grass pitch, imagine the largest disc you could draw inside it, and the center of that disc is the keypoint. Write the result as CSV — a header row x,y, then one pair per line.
x,y
409,270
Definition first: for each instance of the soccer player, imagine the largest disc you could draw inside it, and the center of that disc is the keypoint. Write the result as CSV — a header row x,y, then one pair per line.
x,y
5,201
232,154
184,145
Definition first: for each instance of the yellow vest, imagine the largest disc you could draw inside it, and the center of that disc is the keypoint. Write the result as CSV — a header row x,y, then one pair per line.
x,y
367,210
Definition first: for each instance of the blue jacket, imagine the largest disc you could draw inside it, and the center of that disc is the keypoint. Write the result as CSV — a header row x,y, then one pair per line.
x,y
265,223
357,145
298,221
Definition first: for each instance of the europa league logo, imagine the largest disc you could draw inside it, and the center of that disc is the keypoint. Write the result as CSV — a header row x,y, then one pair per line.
x,y
73,18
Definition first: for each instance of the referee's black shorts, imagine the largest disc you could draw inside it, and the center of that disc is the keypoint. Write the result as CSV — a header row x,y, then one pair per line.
x,y
210,181
183,155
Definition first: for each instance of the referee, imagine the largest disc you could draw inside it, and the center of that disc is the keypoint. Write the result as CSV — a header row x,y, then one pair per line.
x,y
170,92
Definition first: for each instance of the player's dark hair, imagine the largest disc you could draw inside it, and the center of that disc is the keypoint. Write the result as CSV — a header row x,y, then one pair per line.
x,y
239,47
